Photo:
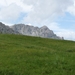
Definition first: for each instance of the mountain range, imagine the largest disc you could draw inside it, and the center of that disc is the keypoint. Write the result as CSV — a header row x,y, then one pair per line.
x,y
28,30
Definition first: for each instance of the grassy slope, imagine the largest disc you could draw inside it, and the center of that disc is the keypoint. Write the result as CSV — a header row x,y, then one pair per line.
x,y
24,55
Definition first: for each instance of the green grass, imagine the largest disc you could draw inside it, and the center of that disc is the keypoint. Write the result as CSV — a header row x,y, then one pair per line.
x,y
25,55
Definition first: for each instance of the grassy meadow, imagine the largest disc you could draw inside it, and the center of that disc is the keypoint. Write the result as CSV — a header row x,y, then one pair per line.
x,y
25,55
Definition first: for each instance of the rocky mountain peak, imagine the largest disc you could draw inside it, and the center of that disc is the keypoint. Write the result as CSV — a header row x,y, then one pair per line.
x,y
44,27
43,31
6,29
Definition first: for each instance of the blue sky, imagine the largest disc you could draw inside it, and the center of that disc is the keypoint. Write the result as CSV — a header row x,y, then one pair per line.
x,y
58,15
67,21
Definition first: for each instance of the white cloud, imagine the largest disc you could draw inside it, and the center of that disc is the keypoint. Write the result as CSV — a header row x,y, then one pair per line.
x,y
10,12
54,26
71,9
46,10
38,11
25,7
68,34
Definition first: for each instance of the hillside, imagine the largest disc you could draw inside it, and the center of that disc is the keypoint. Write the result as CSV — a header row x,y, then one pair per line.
x,y
25,55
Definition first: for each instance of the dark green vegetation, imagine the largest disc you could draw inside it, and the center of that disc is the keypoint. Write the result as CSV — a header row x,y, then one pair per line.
x,y
24,55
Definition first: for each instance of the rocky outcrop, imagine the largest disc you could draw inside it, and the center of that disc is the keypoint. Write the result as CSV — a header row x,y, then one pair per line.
x,y
6,29
44,31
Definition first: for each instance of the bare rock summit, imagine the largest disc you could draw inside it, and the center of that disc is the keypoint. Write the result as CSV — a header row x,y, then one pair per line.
x,y
44,31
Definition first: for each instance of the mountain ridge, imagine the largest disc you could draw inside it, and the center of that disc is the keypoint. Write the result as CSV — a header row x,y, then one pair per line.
x,y
43,31
28,30
4,29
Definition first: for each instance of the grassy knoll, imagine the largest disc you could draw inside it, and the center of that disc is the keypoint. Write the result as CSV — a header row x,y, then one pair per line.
x,y
24,55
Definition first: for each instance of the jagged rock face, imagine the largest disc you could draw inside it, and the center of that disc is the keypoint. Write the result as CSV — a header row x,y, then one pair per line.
x,y
7,30
35,31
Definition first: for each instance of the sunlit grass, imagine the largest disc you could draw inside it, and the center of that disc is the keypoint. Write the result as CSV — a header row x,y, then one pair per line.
x,y
25,55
